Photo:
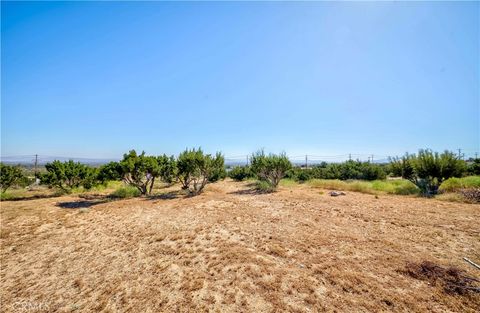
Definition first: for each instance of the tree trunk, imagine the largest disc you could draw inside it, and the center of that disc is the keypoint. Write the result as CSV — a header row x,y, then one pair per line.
x,y
151,186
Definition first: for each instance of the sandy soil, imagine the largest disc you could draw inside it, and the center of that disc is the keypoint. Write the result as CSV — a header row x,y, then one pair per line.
x,y
231,250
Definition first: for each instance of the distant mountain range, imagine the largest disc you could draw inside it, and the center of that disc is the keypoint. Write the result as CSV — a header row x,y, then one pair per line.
x,y
42,160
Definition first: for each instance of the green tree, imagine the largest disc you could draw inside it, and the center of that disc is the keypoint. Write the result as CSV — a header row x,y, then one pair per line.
x,y
69,175
168,168
218,168
110,171
140,171
428,169
195,169
9,176
240,173
270,168
474,167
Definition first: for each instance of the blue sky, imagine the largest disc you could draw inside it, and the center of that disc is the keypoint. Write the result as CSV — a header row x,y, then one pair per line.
x,y
95,79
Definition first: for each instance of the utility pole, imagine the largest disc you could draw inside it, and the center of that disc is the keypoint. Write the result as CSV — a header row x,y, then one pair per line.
x,y
247,160
36,162
476,155
459,153
306,161
372,158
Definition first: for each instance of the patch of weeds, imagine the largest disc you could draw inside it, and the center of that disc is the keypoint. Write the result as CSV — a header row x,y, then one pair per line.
x,y
125,192
286,182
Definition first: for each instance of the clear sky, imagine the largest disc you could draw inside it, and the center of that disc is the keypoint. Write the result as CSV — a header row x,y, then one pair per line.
x,y
95,79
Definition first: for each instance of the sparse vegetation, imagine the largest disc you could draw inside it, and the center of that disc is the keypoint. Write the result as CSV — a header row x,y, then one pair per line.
x,y
284,246
398,187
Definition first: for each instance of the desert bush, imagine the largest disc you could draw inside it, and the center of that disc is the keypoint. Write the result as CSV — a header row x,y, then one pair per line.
x,y
140,171
427,169
126,192
240,173
10,176
270,168
195,169
69,175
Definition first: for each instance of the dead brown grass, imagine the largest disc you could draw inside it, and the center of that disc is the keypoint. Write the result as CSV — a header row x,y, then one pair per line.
x,y
231,251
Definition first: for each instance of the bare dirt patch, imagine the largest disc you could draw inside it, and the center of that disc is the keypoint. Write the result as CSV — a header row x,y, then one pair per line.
x,y
230,250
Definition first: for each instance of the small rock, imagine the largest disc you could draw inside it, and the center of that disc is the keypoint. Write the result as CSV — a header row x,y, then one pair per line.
x,y
336,193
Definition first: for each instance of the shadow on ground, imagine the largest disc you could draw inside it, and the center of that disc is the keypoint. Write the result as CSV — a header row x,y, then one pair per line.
x,y
250,191
33,197
166,195
88,201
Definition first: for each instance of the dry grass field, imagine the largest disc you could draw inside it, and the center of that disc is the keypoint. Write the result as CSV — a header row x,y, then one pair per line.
x,y
232,250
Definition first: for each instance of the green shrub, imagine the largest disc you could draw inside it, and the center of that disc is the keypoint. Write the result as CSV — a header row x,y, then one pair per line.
x,y
264,186
300,174
196,169
287,182
6,196
10,176
270,168
474,167
126,192
240,173
454,184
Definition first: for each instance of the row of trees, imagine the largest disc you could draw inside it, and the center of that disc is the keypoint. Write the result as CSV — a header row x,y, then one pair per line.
x,y
427,169
194,169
